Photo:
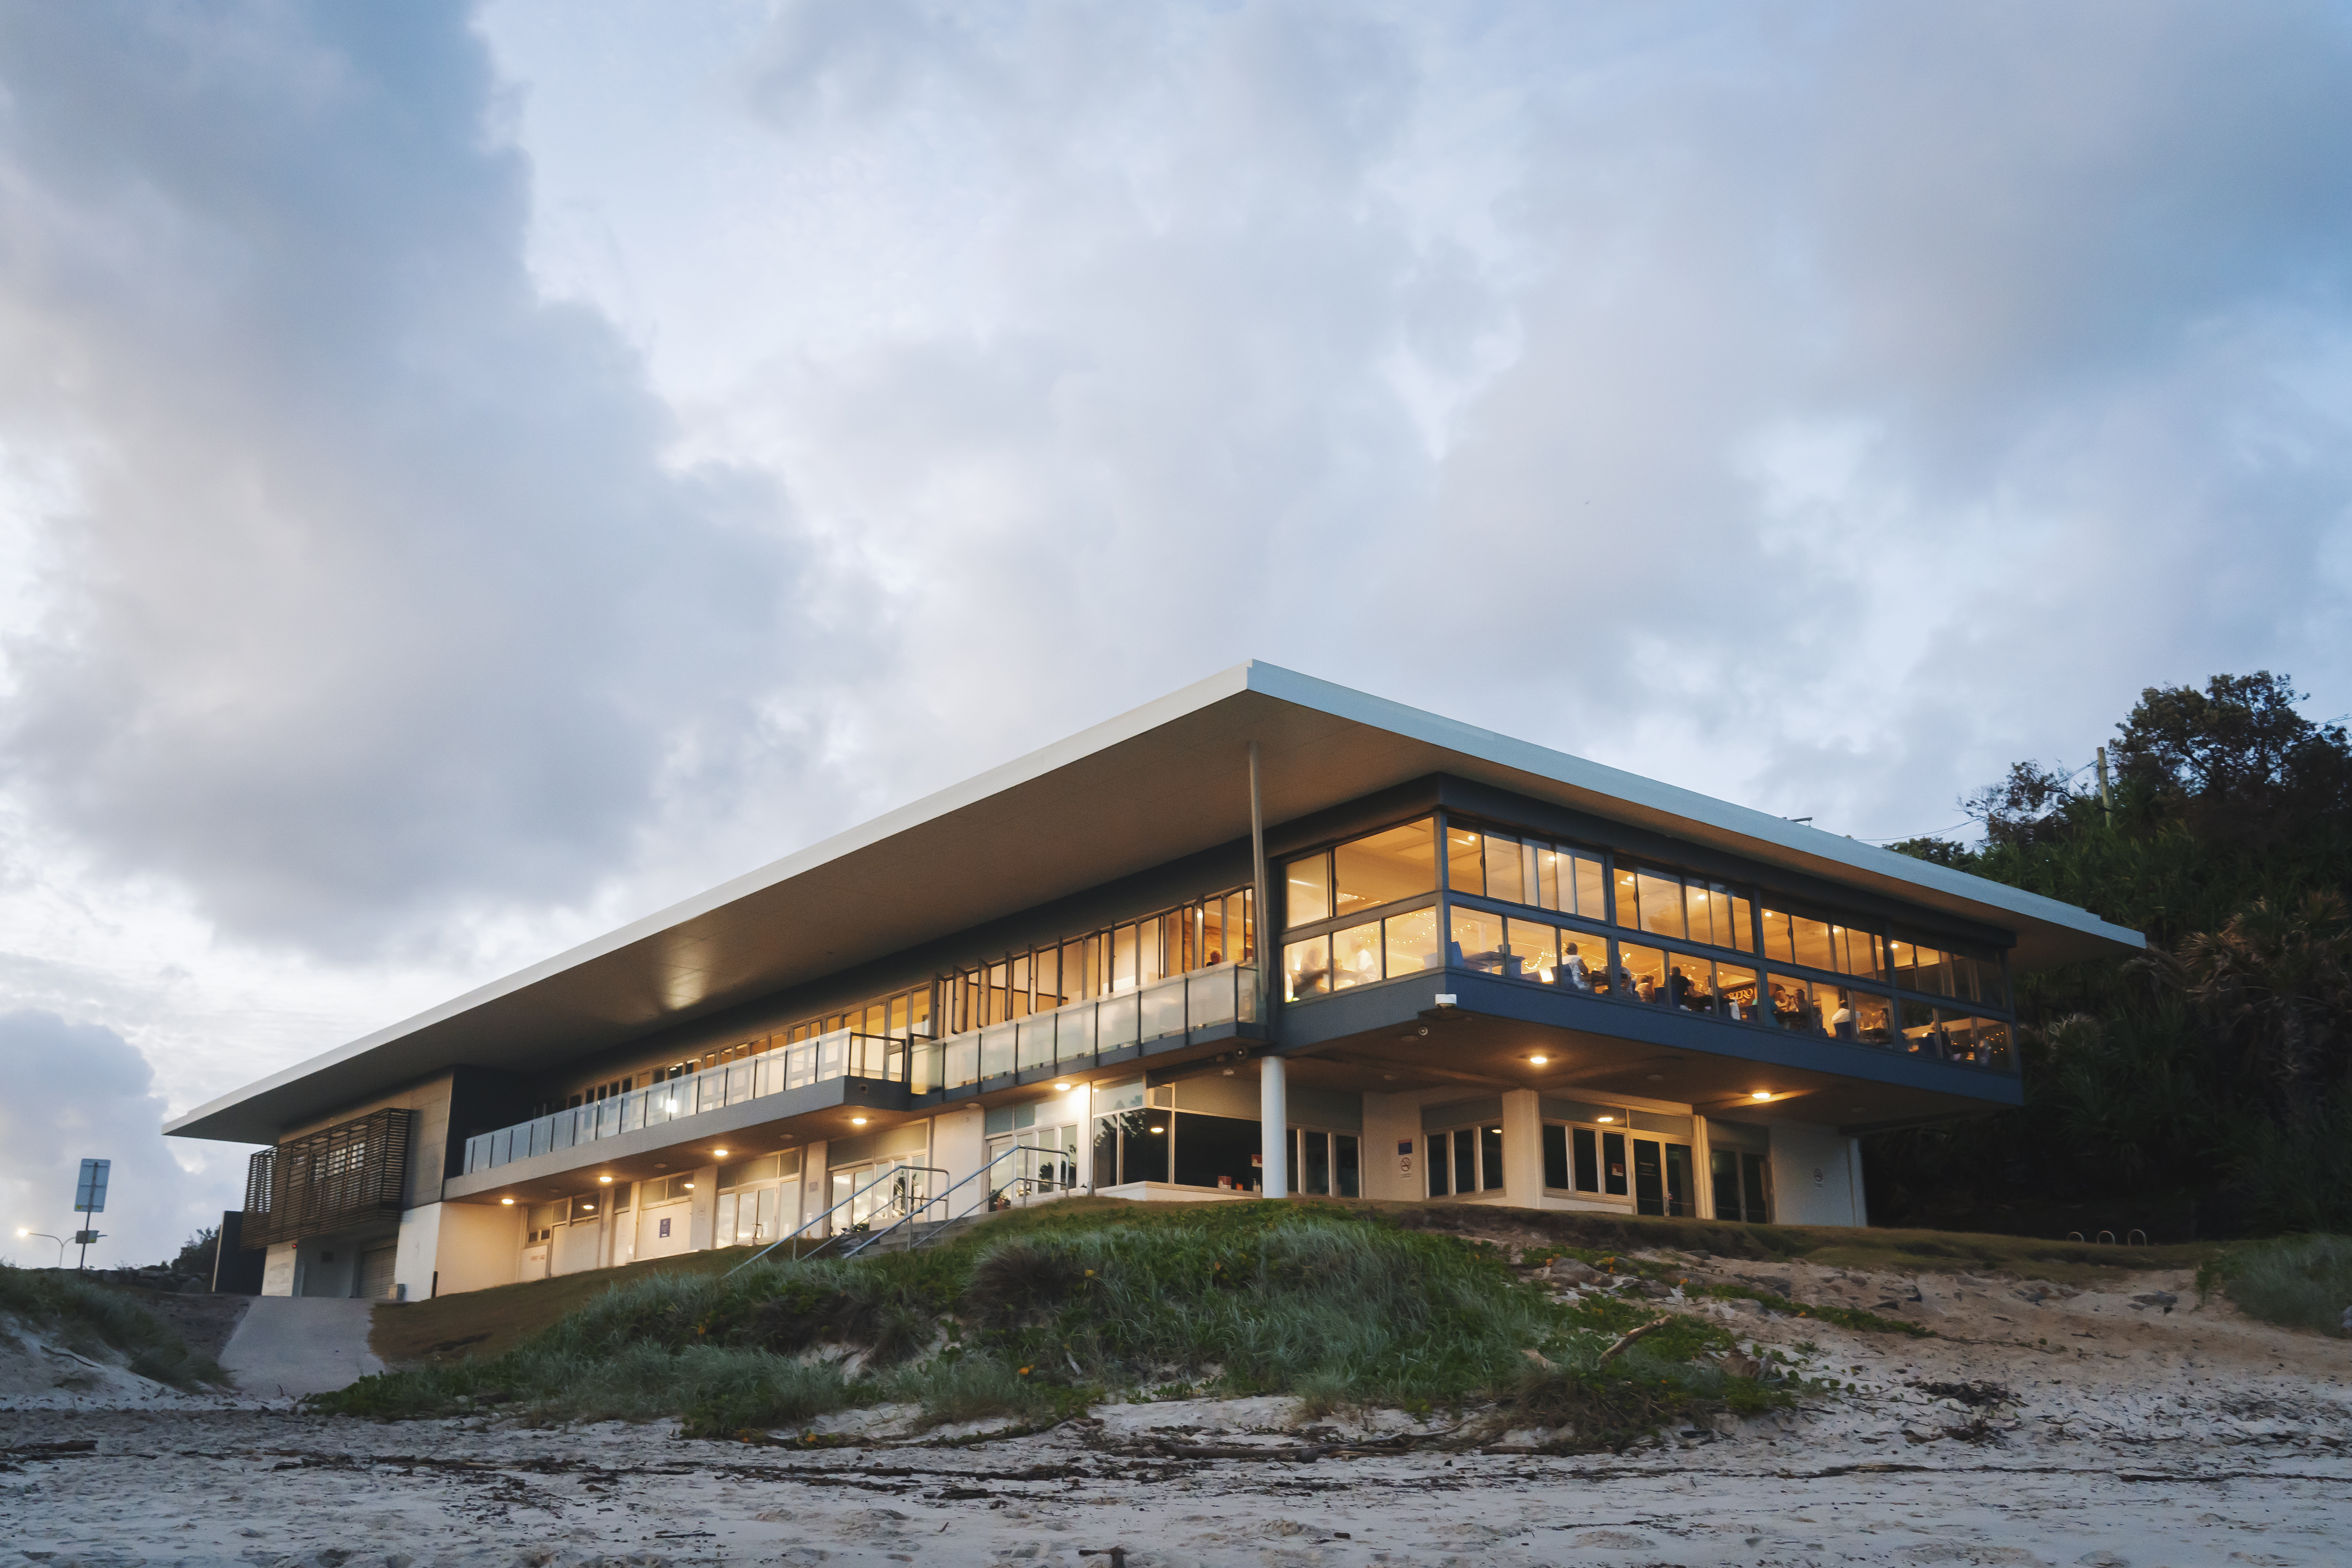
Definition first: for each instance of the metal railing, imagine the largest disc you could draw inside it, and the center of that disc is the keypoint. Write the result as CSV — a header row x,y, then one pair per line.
x,y
905,1202
1066,1039
1071,1038
842,1053
1031,1184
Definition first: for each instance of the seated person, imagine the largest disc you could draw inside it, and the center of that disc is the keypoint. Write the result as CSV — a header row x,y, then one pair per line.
x,y
1841,1021
1571,970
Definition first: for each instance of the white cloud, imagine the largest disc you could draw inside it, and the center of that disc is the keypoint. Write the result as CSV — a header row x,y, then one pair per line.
x,y
465,480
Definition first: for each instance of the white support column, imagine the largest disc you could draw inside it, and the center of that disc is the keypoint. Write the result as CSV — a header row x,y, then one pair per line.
x,y
1702,1169
1274,1126
1523,1148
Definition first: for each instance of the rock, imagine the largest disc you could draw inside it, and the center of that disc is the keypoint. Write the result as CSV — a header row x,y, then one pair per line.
x,y
2103,1560
1610,1541
1776,1284
2164,1299
1656,1289
1572,1271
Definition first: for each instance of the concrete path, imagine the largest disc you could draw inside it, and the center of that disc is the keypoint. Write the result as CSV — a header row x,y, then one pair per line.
x,y
300,1345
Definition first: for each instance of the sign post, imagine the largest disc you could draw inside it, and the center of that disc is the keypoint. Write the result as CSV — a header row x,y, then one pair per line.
x,y
89,1197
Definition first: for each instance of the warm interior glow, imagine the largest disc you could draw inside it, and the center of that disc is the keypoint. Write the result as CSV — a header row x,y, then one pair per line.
x,y
1761,1094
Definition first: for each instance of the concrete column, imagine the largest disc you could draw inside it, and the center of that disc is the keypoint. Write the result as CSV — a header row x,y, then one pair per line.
x,y
1861,1200
704,1209
1703,1169
419,1253
1523,1148
1274,1126
277,1269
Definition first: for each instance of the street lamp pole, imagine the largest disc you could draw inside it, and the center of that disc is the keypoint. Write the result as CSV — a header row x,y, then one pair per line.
x,y
45,1235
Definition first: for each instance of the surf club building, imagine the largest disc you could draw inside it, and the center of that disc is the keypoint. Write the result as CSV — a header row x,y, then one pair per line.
x,y
1266,935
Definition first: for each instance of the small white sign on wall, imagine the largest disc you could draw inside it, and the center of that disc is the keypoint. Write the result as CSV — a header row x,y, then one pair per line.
x,y
1404,1156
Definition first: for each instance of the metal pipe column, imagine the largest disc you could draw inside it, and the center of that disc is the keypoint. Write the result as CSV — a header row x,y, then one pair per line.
x,y
1272,1089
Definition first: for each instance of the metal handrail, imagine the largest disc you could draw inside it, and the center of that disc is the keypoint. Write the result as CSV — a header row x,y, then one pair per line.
x,y
820,1219
907,1218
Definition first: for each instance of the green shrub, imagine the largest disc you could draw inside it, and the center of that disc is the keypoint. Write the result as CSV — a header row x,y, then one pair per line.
x,y
91,1318
2298,1281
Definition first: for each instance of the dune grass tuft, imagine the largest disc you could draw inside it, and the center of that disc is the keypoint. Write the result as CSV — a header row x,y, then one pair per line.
x,y
2296,1281
1038,1313
91,1318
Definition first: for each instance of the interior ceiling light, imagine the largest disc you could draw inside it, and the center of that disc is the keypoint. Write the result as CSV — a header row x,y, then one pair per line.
x,y
857,1121
1061,1089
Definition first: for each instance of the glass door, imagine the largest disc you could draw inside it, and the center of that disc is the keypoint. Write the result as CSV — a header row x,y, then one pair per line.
x,y
1662,1178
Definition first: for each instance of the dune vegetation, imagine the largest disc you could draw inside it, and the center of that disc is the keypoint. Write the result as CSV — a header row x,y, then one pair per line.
x,y
1035,1315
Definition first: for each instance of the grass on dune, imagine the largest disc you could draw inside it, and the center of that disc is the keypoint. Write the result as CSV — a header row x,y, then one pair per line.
x,y
2296,1281
1038,1313
91,1318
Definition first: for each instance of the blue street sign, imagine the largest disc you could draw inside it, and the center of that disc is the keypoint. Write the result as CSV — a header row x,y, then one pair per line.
x,y
90,1192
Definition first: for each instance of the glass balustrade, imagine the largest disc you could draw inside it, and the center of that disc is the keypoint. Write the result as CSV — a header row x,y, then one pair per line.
x,y
1065,1038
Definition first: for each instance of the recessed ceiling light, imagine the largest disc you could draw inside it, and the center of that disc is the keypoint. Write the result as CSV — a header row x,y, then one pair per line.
x,y
1159,1129
507,1202
1061,1089
857,1121
722,1153
1539,1060
1761,1094
607,1181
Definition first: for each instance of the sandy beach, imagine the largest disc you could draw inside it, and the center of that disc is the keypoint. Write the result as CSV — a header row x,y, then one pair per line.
x,y
2041,1426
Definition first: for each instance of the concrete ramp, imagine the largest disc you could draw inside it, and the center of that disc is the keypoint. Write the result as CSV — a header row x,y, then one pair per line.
x,y
287,1345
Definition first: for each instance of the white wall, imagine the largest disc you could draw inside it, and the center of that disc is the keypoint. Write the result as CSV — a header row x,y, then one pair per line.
x,y
277,1269
479,1246
1815,1176
420,1250
959,1143
1391,1120
705,1207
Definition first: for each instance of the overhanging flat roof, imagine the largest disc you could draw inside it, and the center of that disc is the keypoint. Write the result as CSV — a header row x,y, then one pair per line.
x,y
1167,780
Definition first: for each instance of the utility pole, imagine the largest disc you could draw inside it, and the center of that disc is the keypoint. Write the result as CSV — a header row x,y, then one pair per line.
x,y
2106,796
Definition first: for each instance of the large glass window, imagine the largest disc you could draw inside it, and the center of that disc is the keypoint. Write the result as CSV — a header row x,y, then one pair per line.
x,y
1477,941
1356,955
1662,904
1640,973
1531,951
1411,942
1401,863
1812,938
1735,991
1307,969
1583,962
1740,1181
1307,891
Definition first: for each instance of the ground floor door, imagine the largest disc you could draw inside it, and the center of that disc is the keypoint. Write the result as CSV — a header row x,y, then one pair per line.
x,y
376,1273
1662,1178
754,1217
878,1195
1742,1186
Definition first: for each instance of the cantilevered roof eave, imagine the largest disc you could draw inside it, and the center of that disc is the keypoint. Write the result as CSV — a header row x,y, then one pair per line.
x,y
582,989
1759,832
1127,726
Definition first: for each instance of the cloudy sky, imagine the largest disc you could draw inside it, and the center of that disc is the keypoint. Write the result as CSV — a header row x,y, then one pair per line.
x,y
470,476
